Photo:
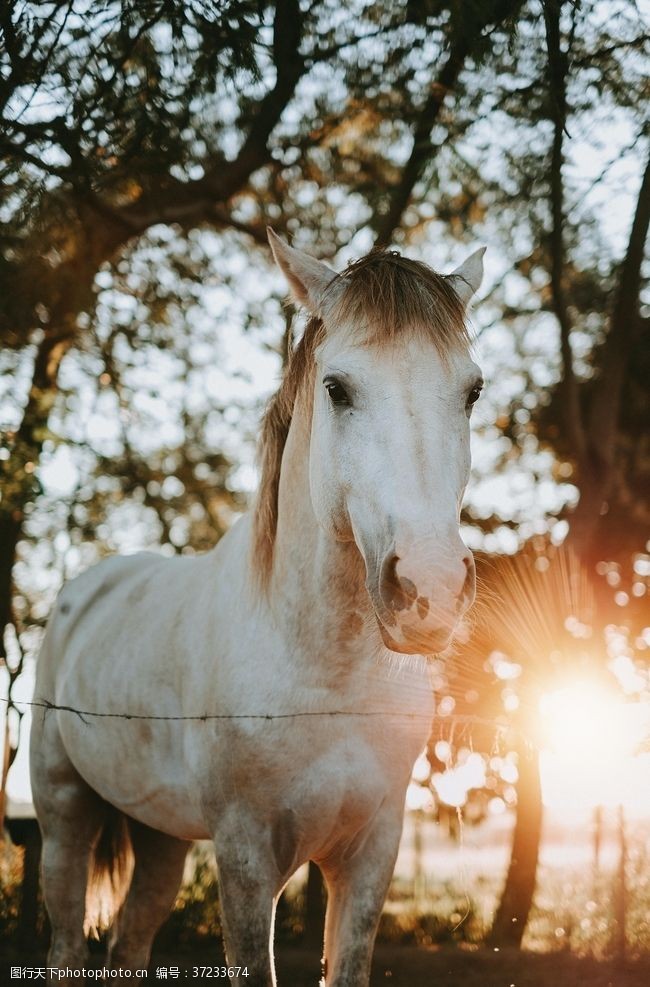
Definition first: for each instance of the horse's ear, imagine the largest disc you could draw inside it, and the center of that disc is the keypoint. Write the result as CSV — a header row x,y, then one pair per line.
x,y
467,278
307,277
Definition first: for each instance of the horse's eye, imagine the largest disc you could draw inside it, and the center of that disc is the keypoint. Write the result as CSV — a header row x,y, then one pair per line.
x,y
474,395
338,394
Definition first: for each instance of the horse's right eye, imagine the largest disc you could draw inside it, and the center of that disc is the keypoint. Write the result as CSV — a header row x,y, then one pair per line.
x,y
337,393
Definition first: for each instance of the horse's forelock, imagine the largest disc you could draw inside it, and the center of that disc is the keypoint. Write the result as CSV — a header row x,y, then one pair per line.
x,y
386,296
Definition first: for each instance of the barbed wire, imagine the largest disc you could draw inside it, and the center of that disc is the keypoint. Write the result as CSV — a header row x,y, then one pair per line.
x,y
452,720
203,717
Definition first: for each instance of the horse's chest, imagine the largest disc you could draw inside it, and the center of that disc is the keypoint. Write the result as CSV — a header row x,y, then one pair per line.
x,y
322,795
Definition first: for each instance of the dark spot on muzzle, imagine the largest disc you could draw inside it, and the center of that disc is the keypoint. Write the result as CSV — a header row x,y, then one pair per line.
x,y
423,607
406,594
409,590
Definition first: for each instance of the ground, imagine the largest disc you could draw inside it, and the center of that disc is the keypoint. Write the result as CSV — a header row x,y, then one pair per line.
x,y
409,966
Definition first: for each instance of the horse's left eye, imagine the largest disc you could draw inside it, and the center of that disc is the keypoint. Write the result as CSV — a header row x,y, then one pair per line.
x,y
474,395
338,394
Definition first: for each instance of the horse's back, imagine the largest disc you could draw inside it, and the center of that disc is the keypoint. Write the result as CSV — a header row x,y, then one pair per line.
x,y
81,600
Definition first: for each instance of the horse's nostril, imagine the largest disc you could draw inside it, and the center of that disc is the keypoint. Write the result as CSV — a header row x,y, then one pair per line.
x,y
388,580
469,580
397,592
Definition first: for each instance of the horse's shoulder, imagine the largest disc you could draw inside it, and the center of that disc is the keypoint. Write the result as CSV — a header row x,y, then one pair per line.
x,y
97,583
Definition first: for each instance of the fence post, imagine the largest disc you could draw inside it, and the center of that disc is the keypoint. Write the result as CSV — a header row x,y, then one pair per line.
x,y
419,890
597,834
621,888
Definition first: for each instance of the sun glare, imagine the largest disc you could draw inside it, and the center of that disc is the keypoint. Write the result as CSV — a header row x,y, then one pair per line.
x,y
583,721
591,739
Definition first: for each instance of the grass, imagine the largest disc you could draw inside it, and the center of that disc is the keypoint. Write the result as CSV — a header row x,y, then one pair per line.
x,y
11,869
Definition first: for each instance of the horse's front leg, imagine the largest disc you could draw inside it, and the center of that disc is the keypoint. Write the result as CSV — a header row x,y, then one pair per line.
x,y
249,884
358,882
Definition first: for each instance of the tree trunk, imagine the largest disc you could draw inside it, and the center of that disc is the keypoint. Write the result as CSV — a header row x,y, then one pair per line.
x,y
6,763
517,898
10,528
17,476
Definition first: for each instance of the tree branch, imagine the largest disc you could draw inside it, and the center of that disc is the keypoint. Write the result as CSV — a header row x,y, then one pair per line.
x,y
624,323
464,39
423,147
557,71
225,178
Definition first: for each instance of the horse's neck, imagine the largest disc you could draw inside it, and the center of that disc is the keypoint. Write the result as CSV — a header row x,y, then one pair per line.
x,y
318,583
318,598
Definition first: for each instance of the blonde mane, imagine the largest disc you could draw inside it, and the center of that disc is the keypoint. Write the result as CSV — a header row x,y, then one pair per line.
x,y
383,296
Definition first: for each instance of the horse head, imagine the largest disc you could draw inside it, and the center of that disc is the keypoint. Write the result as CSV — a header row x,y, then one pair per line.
x,y
392,384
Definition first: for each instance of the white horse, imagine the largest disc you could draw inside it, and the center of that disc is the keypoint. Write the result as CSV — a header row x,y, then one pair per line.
x,y
266,708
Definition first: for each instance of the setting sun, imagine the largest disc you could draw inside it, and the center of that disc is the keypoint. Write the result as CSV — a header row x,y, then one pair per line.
x,y
590,747
585,722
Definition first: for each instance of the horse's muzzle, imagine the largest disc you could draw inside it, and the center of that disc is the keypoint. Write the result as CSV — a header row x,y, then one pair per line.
x,y
419,607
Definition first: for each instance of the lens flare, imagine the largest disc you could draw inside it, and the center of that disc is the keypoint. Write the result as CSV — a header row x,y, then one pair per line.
x,y
590,747
583,721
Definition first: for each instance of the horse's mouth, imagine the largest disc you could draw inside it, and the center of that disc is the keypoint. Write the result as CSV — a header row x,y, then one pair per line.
x,y
411,641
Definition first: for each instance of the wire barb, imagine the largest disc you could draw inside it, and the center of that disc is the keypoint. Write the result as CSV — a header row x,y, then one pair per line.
x,y
204,717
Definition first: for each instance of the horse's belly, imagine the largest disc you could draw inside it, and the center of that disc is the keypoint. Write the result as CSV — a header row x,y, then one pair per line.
x,y
131,764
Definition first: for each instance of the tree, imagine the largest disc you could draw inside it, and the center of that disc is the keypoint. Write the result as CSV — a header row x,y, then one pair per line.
x,y
591,431
113,124
145,148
